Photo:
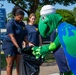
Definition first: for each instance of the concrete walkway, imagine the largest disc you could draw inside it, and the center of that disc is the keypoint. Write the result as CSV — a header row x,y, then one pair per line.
x,y
45,69
49,69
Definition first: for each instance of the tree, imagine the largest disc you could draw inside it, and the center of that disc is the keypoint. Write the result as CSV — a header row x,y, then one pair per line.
x,y
74,13
30,6
67,15
9,16
38,14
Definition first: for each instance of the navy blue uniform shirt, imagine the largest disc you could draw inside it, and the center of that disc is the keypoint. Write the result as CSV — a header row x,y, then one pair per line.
x,y
33,34
19,31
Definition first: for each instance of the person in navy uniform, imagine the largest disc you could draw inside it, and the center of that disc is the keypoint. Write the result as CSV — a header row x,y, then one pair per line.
x,y
33,36
32,29
12,44
60,57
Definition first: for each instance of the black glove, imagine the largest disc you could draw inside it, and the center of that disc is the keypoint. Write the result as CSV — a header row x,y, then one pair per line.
x,y
27,50
19,50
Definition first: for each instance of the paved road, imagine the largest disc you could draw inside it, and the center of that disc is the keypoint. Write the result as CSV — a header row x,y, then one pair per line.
x,y
45,69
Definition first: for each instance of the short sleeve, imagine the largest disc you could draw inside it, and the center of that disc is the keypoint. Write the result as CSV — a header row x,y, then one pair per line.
x,y
10,27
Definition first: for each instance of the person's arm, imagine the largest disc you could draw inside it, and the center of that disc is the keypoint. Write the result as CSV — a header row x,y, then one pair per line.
x,y
54,45
13,40
24,44
27,42
55,39
10,32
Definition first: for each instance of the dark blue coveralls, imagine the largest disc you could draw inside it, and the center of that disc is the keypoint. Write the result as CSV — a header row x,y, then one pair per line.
x,y
59,56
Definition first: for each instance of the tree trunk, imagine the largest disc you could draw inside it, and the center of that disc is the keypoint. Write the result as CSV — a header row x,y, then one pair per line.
x,y
34,7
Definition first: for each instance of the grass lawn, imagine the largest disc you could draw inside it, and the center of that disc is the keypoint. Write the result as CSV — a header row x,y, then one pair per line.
x,y
3,61
49,58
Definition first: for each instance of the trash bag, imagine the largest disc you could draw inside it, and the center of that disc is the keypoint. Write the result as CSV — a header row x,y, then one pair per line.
x,y
31,65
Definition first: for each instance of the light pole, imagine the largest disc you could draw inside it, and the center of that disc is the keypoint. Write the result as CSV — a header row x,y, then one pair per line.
x,y
1,5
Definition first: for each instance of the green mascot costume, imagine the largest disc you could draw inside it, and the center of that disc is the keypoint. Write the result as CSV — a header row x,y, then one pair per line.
x,y
66,34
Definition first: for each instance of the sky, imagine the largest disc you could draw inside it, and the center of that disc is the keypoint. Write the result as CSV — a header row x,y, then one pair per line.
x,y
9,6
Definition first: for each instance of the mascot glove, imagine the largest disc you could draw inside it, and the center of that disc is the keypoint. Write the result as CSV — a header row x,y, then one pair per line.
x,y
40,51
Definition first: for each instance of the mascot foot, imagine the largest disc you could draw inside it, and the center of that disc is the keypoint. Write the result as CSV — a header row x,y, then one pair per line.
x,y
71,73
68,73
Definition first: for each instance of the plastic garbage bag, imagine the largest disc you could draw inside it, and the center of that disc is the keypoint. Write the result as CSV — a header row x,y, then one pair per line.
x,y
30,65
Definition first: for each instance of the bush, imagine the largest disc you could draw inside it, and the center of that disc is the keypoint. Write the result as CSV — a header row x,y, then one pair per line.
x,y
3,61
49,58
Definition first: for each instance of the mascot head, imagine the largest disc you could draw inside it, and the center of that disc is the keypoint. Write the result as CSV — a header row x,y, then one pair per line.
x,y
49,20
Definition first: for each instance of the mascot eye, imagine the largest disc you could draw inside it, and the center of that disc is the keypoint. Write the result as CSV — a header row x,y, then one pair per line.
x,y
43,17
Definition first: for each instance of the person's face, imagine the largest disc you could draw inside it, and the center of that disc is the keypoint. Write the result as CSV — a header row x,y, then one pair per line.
x,y
19,18
32,19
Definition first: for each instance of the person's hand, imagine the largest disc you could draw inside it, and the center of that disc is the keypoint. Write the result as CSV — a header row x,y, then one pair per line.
x,y
19,50
30,44
40,51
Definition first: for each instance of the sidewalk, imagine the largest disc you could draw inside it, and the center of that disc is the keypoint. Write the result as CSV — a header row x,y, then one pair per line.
x,y
45,69
49,69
